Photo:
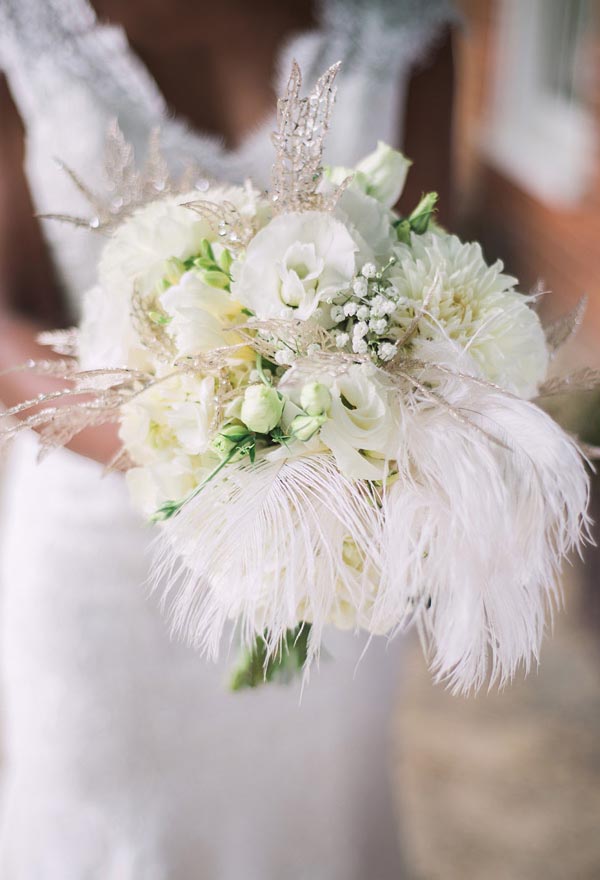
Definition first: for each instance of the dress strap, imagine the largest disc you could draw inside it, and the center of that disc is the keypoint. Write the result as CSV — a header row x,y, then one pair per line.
x,y
69,34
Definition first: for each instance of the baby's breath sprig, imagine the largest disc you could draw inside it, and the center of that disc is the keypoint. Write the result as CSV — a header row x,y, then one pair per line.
x,y
362,315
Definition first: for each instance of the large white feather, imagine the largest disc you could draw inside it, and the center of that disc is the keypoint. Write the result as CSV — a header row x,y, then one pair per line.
x,y
476,529
263,544
466,541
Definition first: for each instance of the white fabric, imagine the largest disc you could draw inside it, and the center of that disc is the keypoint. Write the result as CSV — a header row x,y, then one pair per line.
x,y
125,757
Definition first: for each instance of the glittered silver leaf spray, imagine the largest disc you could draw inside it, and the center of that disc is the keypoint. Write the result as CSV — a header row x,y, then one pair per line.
x,y
302,125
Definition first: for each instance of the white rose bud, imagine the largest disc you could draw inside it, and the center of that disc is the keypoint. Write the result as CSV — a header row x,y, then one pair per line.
x,y
385,171
261,408
304,427
315,399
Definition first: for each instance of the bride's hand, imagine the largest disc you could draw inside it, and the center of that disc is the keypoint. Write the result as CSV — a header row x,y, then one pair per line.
x,y
28,288
18,345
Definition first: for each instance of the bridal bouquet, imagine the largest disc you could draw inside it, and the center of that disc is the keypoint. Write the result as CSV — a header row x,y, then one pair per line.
x,y
329,410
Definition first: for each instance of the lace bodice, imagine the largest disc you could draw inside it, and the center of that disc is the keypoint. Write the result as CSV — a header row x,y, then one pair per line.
x,y
71,74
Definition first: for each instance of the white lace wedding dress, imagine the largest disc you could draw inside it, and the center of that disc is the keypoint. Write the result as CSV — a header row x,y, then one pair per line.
x,y
124,756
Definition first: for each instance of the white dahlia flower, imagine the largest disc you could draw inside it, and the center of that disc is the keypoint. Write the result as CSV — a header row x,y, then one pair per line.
x,y
473,304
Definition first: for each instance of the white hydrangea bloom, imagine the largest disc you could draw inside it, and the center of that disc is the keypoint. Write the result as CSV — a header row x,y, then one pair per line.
x,y
164,229
200,315
473,304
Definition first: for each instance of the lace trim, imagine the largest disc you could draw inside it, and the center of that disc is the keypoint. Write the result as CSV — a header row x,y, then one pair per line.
x,y
372,37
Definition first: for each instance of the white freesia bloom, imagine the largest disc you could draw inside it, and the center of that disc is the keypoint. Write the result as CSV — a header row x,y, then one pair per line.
x,y
173,417
362,422
199,315
293,264
315,398
473,304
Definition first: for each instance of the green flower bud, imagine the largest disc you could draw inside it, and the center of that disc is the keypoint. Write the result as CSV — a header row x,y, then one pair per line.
x,y
228,438
216,279
261,408
315,398
206,250
304,427
173,269
420,217
225,261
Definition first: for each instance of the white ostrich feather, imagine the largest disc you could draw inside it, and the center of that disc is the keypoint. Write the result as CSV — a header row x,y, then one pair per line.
x,y
475,530
262,544
466,541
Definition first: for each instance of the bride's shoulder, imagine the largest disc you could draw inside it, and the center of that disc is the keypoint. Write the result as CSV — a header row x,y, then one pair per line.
x,y
378,33
398,12
32,28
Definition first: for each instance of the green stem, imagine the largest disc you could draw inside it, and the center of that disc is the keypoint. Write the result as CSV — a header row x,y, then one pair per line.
x,y
260,370
170,508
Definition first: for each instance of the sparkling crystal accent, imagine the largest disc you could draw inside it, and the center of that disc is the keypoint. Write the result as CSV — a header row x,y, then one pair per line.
x,y
302,124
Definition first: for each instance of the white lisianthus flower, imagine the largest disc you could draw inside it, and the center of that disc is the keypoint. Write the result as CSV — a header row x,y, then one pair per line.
x,y
362,421
293,264
384,171
381,174
173,417
368,221
473,304
199,315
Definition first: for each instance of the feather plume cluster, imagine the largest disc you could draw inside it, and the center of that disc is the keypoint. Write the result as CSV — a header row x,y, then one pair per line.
x,y
331,410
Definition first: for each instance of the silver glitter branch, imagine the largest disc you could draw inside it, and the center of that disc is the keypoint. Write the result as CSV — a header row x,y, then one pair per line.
x,y
128,187
560,331
235,231
302,125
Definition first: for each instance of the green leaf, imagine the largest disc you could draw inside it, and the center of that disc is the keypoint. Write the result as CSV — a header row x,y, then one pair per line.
x,y
226,261
205,263
403,231
165,511
206,250
420,217
254,669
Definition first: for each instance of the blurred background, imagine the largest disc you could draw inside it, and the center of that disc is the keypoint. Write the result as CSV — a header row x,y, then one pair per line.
x,y
507,786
